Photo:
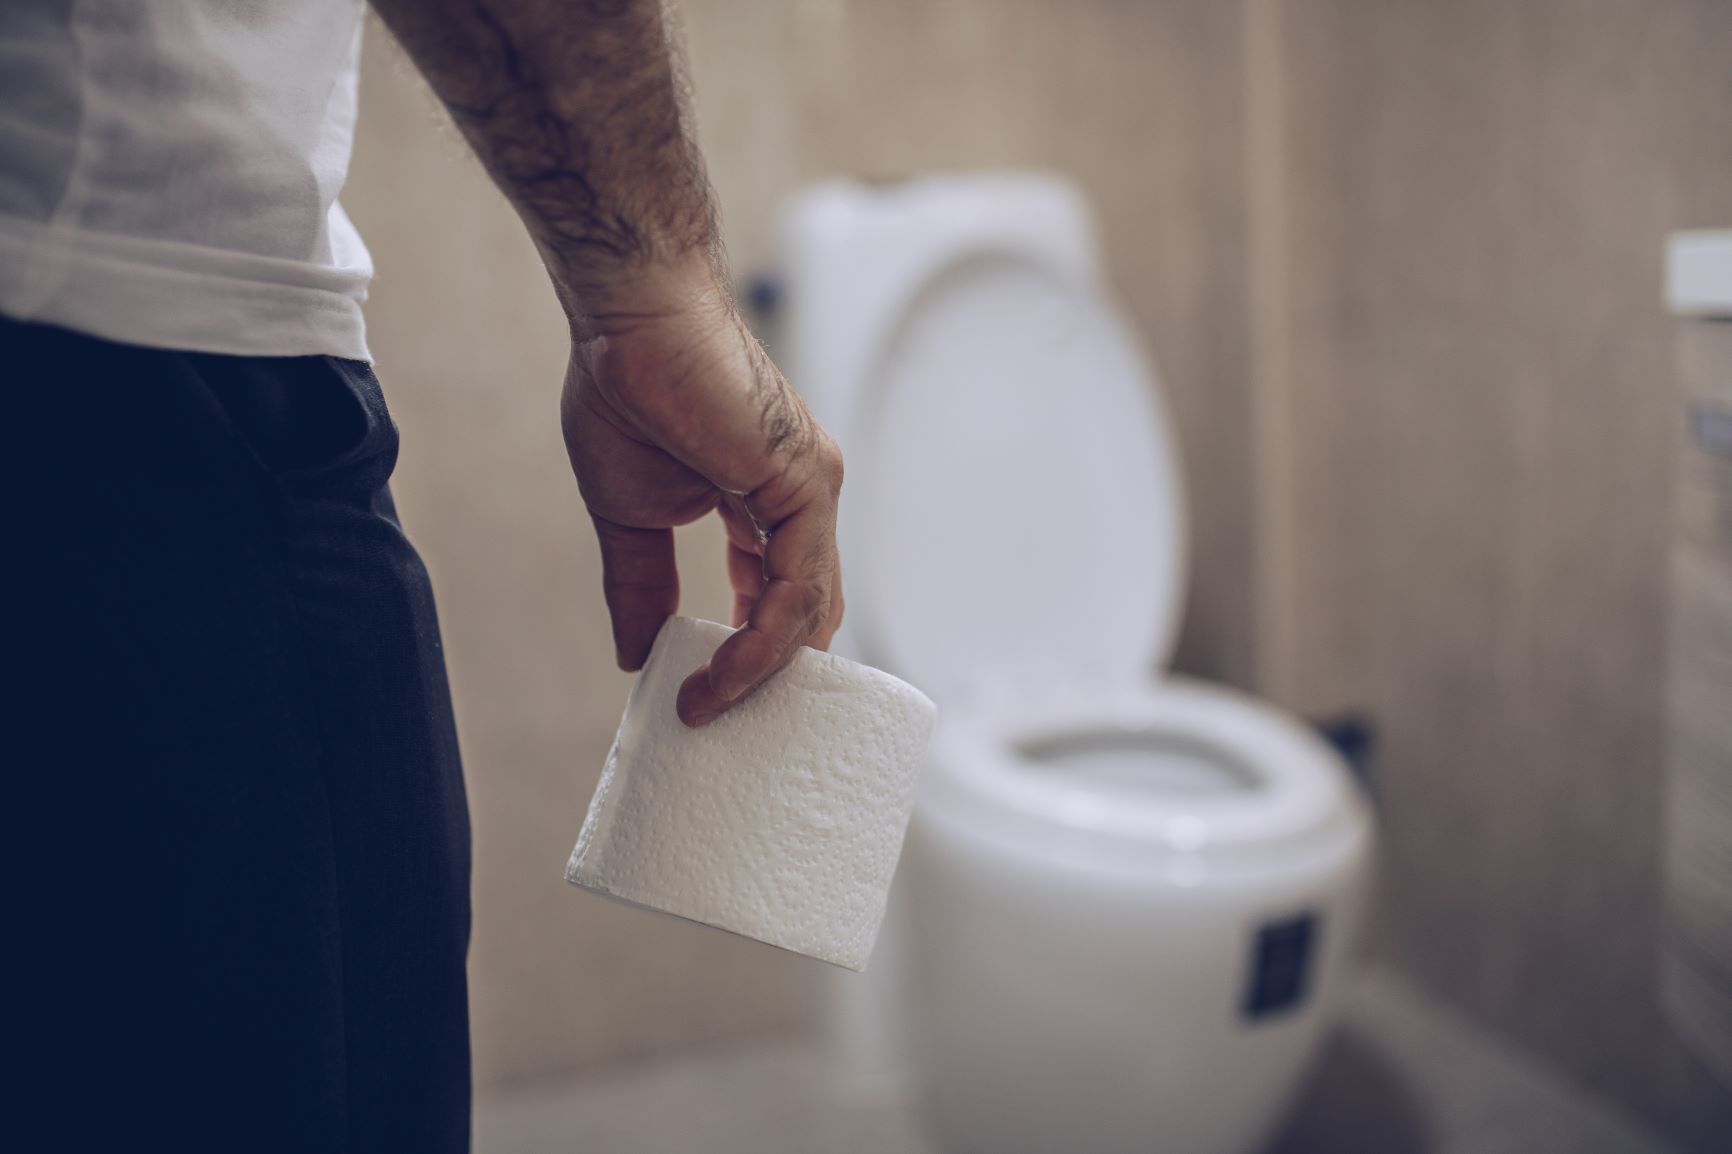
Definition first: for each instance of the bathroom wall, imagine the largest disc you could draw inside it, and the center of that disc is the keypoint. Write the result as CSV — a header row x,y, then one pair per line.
x,y
1141,103
1400,262
1467,374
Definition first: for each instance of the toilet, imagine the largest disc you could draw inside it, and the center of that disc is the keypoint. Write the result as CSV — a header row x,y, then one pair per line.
x,y
1128,900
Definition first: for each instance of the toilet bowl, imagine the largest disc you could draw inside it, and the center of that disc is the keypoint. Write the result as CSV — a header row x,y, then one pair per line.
x,y
1128,915
1128,900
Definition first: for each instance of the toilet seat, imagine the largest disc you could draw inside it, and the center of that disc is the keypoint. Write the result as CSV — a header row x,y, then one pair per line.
x,y
1024,509
1290,788
1020,504
1017,547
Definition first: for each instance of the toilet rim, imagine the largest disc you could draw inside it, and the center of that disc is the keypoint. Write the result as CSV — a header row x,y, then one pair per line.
x,y
1301,783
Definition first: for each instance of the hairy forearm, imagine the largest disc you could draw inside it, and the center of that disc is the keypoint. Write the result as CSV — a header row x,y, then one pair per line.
x,y
578,110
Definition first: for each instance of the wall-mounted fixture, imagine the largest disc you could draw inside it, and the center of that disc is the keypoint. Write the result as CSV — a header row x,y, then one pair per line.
x,y
1696,966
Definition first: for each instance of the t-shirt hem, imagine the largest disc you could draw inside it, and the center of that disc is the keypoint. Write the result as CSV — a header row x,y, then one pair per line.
x,y
65,278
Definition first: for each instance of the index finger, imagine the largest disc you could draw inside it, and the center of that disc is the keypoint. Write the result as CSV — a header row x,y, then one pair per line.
x,y
793,606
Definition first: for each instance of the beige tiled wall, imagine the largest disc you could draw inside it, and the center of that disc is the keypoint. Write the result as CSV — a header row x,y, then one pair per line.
x,y
1141,103
1481,408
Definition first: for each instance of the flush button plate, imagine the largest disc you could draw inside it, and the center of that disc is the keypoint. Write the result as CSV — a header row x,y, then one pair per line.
x,y
1279,976
1711,428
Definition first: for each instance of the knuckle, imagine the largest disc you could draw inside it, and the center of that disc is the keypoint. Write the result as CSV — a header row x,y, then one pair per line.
x,y
829,462
816,606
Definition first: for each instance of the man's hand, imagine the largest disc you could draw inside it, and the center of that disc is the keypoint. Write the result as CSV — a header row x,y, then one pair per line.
x,y
671,409
667,417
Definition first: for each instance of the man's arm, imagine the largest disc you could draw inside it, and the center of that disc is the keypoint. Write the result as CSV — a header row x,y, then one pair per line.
x,y
670,408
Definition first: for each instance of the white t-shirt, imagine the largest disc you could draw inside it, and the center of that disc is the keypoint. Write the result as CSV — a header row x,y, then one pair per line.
x,y
169,172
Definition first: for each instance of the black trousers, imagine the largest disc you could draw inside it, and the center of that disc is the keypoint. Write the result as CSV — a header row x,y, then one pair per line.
x,y
241,848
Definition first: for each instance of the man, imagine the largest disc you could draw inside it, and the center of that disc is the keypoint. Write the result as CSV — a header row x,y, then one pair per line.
x,y
248,902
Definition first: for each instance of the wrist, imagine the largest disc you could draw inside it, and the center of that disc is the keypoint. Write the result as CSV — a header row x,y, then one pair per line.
x,y
613,302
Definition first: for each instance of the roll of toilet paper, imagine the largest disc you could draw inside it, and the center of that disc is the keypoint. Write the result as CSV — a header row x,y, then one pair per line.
x,y
781,820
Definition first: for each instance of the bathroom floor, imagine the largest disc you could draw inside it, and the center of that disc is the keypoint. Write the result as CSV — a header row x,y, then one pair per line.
x,y
1403,1075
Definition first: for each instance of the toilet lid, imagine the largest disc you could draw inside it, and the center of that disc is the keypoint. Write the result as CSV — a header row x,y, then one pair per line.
x,y
1022,510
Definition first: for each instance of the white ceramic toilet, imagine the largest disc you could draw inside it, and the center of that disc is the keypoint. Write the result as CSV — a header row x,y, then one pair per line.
x,y
1128,900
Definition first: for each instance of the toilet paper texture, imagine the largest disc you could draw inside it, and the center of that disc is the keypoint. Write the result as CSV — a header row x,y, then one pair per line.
x,y
781,820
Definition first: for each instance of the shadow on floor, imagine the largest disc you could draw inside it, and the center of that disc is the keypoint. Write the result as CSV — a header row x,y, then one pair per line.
x,y
1357,1100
